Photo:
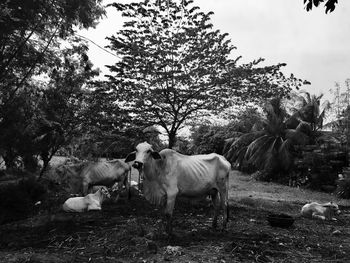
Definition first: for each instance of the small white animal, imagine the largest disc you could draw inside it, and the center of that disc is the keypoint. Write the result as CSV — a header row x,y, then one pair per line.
x,y
86,203
325,211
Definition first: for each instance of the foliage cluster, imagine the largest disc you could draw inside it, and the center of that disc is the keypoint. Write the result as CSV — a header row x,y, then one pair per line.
x,y
207,138
271,148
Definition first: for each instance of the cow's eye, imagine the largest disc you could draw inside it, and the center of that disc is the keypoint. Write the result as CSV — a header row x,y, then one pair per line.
x,y
149,151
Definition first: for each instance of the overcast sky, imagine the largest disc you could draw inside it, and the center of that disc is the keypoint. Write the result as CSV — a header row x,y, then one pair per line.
x,y
315,46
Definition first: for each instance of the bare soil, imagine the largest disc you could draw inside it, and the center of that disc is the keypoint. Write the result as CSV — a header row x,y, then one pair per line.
x,y
132,231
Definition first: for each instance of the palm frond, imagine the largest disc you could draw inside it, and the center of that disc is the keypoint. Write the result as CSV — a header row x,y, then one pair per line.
x,y
285,156
319,97
258,150
307,95
239,158
304,127
233,150
292,122
326,105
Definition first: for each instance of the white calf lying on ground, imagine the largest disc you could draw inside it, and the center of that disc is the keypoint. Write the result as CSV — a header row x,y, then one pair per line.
x,y
325,211
86,203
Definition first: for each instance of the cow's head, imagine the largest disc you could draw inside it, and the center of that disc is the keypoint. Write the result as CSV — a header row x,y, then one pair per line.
x,y
142,154
332,206
104,191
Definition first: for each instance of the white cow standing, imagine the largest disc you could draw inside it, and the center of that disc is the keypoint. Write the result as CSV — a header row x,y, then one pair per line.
x,y
168,174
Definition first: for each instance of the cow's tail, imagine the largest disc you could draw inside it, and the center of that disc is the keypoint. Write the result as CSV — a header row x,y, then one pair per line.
x,y
226,193
128,178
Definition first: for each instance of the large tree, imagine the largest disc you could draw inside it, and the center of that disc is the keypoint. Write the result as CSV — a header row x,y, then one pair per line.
x,y
30,37
175,67
63,102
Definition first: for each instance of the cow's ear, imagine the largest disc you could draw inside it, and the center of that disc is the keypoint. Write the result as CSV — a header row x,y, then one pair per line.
x,y
131,156
156,155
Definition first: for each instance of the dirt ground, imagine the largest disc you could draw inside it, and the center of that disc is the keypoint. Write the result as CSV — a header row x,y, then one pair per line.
x,y
132,231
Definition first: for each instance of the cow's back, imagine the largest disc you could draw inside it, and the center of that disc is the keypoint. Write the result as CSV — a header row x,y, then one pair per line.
x,y
106,172
308,209
196,174
75,204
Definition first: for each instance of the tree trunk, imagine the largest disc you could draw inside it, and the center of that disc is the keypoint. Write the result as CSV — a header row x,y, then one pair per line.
x,y
45,165
172,140
30,163
46,157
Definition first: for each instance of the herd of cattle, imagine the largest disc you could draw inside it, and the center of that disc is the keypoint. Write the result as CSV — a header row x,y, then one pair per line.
x,y
165,175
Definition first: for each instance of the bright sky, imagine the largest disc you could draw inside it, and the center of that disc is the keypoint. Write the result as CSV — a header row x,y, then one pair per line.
x,y
315,46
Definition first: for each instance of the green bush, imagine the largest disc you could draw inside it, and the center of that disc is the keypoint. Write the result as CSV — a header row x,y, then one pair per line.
x,y
209,138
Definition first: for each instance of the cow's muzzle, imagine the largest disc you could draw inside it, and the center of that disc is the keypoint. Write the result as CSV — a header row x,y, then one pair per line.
x,y
137,165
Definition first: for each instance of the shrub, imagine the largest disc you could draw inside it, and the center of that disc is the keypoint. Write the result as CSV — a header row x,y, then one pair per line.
x,y
184,146
18,199
209,138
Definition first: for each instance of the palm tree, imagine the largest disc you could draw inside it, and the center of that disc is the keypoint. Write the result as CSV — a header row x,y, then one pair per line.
x,y
271,148
311,114
309,109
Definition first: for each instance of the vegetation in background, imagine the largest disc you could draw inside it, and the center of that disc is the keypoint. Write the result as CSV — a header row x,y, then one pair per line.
x,y
271,148
340,108
207,138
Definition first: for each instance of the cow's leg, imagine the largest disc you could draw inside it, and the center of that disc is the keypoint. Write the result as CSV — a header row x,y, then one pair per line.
x,y
85,188
116,189
317,216
127,184
216,204
170,203
224,204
